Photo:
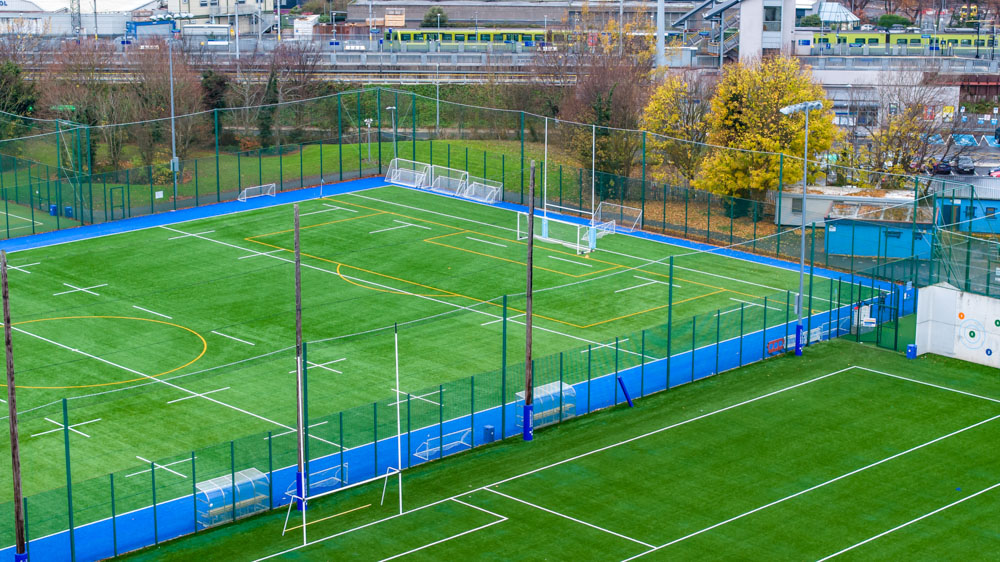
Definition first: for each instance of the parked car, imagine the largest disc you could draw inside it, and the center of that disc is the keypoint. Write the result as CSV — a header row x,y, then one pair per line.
x,y
964,165
995,173
897,28
867,27
942,167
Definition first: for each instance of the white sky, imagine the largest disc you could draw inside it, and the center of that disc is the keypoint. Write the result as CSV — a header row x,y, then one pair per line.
x,y
87,6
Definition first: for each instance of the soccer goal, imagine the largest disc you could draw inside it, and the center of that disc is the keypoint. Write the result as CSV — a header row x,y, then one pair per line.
x,y
483,190
268,189
579,237
449,180
612,217
409,173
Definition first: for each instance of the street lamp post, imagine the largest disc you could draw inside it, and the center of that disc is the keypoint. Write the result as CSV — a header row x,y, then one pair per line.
x,y
392,110
804,107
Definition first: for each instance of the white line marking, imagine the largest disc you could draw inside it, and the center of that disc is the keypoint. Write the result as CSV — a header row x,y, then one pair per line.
x,y
509,318
160,466
635,287
71,427
910,522
676,286
83,289
403,224
500,519
418,397
202,395
161,381
562,462
26,219
486,242
324,366
820,485
599,346
21,268
258,254
232,338
754,304
591,525
195,234
571,261
151,312
331,208
929,384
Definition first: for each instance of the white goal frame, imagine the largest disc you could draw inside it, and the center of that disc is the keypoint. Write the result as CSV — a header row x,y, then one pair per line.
x,y
584,242
409,173
449,180
268,189
483,190
613,217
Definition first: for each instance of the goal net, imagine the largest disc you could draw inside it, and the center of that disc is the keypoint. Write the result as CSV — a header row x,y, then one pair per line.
x,y
449,180
612,217
483,190
257,191
580,237
409,173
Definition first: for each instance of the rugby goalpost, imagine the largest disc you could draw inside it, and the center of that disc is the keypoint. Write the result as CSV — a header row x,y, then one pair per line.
x,y
266,190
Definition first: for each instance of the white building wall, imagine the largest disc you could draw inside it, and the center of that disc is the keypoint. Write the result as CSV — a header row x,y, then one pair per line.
x,y
751,29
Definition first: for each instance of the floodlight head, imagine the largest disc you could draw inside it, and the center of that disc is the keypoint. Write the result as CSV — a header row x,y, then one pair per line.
x,y
799,107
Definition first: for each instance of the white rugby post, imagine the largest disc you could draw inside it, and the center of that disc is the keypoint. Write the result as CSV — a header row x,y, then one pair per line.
x,y
804,107
399,427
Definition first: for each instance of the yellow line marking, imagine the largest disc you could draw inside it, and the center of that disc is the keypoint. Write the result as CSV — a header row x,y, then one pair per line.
x,y
204,348
329,517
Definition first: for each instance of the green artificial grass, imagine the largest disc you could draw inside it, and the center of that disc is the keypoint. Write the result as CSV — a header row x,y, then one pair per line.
x,y
848,447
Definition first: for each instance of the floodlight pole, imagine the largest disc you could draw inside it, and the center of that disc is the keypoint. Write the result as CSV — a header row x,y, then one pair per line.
x,y
21,551
528,417
174,164
804,107
299,368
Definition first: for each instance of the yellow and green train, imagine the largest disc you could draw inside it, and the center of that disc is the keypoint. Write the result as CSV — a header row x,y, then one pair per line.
x,y
914,39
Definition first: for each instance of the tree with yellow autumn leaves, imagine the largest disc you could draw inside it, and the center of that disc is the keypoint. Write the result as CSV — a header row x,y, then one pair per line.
x,y
743,130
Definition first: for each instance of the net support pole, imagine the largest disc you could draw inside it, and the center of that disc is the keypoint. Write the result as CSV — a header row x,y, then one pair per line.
x,y
21,550
299,395
528,418
399,427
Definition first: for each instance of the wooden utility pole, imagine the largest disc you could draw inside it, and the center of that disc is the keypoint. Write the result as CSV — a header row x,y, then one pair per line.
x,y
21,552
528,384
299,368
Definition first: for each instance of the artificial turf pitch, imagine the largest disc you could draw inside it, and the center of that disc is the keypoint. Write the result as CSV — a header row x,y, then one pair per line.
x,y
849,451
175,338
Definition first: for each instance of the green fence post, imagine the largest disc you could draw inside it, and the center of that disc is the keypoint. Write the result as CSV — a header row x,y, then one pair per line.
x,y
732,211
447,155
69,480
374,436
218,176
340,140
5,207
440,421
781,182
360,163
232,474
195,188
787,320
590,353
503,175
642,194
522,158
670,310
708,222
560,387
615,382
270,471
430,151
413,117
687,194
409,433
472,411
343,477
302,178
763,334
260,168
194,488
642,364
755,218
114,517
281,168
718,330
693,343
742,305
466,159
152,480
503,373
152,208
378,115
812,266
